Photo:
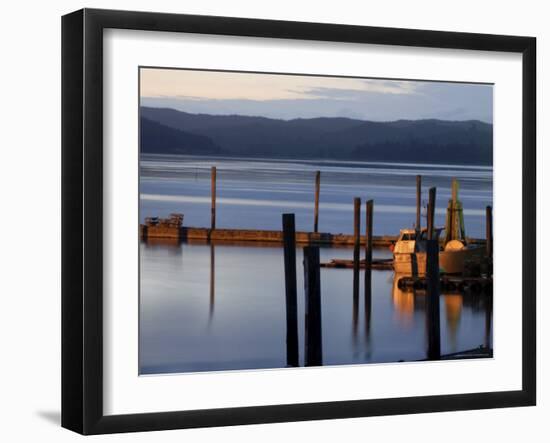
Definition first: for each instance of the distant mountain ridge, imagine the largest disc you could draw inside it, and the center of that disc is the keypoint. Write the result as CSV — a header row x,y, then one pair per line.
x,y
168,131
156,138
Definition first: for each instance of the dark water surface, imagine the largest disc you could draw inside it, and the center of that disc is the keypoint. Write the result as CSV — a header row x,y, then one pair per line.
x,y
220,307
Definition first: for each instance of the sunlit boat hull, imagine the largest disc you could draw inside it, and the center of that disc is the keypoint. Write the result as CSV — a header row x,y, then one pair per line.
x,y
450,262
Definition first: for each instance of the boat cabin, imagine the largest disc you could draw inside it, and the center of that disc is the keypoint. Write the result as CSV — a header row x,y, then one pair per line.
x,y
410,240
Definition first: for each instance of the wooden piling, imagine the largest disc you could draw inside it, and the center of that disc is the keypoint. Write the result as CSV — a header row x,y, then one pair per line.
x,y
368,242
431,212
213,204
317,192
489,231
289,247
418,224
356,244
312,286
432,300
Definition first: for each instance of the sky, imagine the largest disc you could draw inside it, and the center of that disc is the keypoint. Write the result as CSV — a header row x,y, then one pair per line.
x,y
287,97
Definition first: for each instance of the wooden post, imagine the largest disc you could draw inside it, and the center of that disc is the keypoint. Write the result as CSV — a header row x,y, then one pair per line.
x,y
356,244
317,192
312,286
368,243
431,212
489,230
418,224
432,300
289,246
213,192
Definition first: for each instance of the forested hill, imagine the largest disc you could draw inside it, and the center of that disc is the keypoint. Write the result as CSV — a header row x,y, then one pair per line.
x,y
438,141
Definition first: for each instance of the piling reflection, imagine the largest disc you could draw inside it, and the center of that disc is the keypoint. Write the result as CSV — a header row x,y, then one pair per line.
x,y
212,282
355,304
244,310
368,311
358,346
488,321
408,304
170,245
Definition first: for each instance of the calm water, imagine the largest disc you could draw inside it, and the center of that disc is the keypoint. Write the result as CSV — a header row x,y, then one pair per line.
x,y
220,307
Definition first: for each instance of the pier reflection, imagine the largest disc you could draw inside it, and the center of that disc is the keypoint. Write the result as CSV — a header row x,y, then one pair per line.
x,y
169,245
453,310
367,314
188,287
408,304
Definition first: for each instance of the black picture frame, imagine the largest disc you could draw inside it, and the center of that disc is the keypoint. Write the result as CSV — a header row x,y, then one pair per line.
x,y
82,216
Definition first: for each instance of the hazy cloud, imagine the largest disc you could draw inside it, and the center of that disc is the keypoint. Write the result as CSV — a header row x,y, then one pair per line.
x,y
293,96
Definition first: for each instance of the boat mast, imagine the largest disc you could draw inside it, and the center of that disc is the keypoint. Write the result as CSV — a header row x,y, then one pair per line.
x,y
454,223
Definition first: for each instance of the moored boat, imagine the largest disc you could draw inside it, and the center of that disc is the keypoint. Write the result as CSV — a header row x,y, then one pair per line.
x,y
409,253
455,254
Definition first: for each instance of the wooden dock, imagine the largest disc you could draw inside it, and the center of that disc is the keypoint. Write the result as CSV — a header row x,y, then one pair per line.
x,y
341,263
171,228
256,235
185,233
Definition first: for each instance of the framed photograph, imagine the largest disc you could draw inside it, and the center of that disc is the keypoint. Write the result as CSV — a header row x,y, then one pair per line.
x,y
268,221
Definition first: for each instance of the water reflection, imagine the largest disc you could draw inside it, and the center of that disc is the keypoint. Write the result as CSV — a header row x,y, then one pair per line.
x,y
206,307
456,307
359,346
212,281
368,309
453,310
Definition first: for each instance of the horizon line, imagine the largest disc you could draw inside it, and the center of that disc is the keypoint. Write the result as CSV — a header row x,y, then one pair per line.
x,y
312,118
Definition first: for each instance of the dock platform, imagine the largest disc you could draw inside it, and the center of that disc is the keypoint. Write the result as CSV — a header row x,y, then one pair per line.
x,y
377,263
185,233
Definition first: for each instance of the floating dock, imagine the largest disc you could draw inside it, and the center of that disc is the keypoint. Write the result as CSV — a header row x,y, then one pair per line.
x,y
448,283
378,264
